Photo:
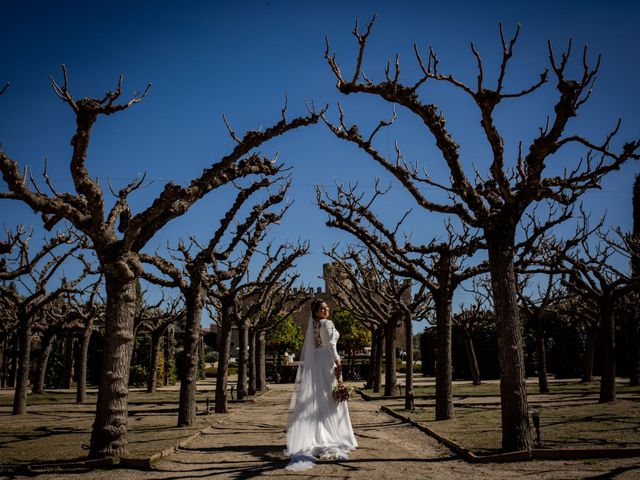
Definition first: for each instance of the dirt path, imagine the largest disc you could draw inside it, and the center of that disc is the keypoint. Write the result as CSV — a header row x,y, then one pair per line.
x,y
248,442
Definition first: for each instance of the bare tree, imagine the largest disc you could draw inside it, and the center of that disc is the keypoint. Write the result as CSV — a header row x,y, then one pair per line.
x,y
233,290
283,302
496,202
270,282
117,252
85,312
156,325
468,321
438,265
375,293
194,280
634,323
539,307
594,277
34,274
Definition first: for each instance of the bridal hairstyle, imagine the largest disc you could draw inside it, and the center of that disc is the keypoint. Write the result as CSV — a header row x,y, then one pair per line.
x,y
315,306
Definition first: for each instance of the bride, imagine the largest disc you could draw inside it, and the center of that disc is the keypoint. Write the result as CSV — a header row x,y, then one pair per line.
x,y
318,425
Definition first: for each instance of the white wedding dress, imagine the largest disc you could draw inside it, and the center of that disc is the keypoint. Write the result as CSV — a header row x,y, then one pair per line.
x,y
319,427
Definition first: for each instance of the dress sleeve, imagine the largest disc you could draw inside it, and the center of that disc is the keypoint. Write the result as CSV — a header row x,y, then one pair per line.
x,y
330,336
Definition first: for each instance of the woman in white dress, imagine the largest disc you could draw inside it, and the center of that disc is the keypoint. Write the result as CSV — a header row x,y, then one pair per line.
x,y
318,425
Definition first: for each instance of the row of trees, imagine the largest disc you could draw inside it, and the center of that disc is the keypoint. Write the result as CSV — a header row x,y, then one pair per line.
x,y
211,273
492,212
485,212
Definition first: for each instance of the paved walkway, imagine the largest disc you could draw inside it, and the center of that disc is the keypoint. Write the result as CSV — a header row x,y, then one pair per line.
x,y
248,442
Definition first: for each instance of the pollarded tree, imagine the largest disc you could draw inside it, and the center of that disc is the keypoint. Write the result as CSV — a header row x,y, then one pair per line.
x,y
85,311
538,307
275,307
188,269
440,266
35,274
117,235
594,277
493,203
375,290
634,323
271,282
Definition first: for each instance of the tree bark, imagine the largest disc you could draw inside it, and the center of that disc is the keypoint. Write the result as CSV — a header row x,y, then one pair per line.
x,y
372,356
444,389
377,364
634,346
408,396
261,362
109,434
43,359
156,345
608,336
223,366
390,379
194,300
169,346
252,361
3,352
471,357
81,363
13,375
541,356
589,353
243,360
516,434
68,360
24,362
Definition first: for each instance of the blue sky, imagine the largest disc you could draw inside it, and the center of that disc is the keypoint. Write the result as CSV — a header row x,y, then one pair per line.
x,y
206,59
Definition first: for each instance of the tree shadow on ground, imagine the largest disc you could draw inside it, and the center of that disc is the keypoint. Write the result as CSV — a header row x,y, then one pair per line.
x,y
270,459
614,473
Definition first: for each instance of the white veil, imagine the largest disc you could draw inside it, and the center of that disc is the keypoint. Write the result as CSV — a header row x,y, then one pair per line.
x,y
297,438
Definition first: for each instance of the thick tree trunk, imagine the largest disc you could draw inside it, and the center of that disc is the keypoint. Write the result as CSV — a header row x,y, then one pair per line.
x,y
252,361
109,434
377,364
68,360
608,336
541,356
43,359
187,409
261,362
516,434
24,362
243,360
390,379
589,353
408,396
471,357
444,389
156,345
81,362
223,366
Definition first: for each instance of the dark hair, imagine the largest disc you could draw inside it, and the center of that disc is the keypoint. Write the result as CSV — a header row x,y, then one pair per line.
x,y
315,306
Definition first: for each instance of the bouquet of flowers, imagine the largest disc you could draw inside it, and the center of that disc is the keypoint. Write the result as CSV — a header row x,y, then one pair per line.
x,y
342,392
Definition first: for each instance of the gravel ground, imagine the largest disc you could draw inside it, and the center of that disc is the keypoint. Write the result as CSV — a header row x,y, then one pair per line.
x,y
249,443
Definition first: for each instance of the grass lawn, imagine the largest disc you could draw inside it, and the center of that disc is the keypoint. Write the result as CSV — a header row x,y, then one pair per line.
x,y
571,416
580,425
467,389
57,429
